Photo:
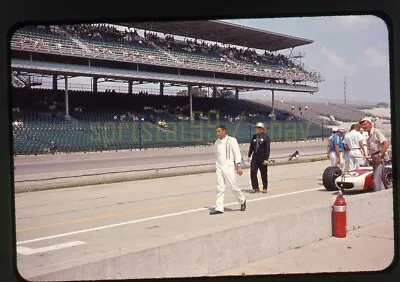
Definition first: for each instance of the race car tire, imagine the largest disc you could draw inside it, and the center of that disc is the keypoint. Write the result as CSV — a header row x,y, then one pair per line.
x,y
387,178
329,176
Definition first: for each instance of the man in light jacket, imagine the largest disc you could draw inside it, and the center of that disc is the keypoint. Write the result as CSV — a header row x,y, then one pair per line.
x,y
228,159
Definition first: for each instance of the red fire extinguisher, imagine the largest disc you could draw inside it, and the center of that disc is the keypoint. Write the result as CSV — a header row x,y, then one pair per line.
x,y
339,215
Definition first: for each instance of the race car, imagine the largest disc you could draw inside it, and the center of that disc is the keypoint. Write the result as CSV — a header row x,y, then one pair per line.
x,y
360,179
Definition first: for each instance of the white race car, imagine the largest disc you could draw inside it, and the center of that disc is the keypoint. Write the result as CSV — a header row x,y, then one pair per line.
x,y
360,179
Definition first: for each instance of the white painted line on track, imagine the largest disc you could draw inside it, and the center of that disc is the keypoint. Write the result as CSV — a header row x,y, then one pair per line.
x,y
157,217
31,251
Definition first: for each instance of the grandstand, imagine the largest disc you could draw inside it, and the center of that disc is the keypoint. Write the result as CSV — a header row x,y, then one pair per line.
x,y
335,114
96,121
316,112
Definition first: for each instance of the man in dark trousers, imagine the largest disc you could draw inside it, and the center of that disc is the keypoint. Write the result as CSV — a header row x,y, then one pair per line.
x,y
259,152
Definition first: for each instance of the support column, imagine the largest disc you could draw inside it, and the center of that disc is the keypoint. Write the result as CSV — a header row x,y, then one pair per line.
x,y
55,83
130,84
94,87
67,116
273,105
161,88
214,94
237,93
191,100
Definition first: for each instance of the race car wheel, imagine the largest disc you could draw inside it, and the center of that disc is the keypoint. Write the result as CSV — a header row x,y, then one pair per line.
x,y
329,176
387,178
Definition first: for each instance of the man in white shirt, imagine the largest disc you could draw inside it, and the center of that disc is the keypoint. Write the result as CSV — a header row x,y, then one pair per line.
x,y
354,149
228,159
364,135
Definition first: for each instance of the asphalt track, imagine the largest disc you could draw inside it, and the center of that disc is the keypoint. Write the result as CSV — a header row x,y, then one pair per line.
x,y
58,164
69,227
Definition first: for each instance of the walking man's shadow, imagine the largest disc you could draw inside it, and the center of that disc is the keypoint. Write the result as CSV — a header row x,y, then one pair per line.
x,y
225,209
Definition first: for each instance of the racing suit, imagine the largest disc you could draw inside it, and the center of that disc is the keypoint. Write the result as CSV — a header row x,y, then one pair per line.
x,y
227,156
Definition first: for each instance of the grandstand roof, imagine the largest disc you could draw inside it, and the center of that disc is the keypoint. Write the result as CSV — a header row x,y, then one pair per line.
x,y
224,32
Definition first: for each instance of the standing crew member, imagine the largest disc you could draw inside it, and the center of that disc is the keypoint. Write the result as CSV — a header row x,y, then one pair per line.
x,y
354,150
228,159
364,135
377,145
334,131
336,149
259,151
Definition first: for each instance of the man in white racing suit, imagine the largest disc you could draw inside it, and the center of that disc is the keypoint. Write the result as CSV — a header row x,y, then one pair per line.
x,y
228,159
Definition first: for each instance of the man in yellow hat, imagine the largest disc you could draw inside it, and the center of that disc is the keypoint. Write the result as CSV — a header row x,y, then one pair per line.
x,y
259,152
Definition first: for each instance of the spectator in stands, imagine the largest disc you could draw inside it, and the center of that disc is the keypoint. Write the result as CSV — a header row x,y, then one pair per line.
x,y
18,125
377,146
259,152
227,163
230,56
162,123
52,148
354,151
15,125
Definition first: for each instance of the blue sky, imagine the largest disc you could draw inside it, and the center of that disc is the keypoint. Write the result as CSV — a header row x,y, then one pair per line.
x,y
353,46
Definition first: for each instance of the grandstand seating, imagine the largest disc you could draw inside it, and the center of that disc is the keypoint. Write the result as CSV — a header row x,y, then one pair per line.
x,y
346,114
340,112
94,129
17,83
45,38
36,136
113,44
93,126
355,107
310,114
